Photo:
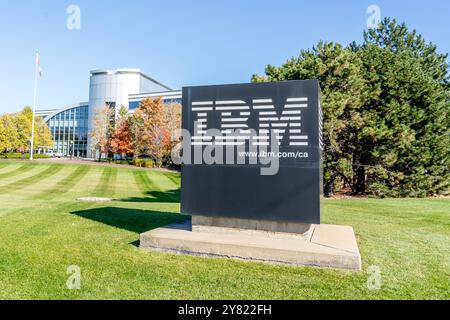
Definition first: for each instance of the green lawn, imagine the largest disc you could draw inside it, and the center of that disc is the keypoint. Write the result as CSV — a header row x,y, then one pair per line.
x,y
44,230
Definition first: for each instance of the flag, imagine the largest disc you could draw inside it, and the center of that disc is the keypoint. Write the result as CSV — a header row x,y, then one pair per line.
x,y
38,63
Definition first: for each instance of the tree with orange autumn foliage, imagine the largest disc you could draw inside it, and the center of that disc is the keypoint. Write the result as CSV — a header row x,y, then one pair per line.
x,y
173,115
121,139
151,135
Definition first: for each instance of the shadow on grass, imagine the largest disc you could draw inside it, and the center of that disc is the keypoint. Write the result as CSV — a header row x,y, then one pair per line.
x,y
170,196
134,220
136,243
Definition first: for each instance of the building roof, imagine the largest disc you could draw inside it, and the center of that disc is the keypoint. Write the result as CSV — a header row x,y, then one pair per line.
x,y
166,94
129,70
50,112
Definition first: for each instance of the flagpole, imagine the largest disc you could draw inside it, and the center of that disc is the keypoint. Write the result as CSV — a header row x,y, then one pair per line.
x,y
34,104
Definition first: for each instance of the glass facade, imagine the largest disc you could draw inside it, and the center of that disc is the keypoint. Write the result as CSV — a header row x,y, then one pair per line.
x,y
133,105
69,129
172,100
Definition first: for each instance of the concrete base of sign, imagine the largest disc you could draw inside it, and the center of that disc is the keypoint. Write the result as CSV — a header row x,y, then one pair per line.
x,y
328,246
272,229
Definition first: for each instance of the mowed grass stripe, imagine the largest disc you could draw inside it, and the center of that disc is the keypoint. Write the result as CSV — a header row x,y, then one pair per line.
x,y
22,169
127,187
149,188
2,165
28,181
165,185
65,185
174,177
143,183
164,181
107,183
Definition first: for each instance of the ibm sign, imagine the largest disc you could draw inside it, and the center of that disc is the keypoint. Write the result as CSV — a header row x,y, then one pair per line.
x,y
253,151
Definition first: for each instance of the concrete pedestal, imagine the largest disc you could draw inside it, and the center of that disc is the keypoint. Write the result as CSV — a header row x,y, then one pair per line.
x,y
258,228
320,245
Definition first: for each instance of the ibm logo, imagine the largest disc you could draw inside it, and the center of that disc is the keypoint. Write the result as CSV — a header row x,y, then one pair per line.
x,y
235,115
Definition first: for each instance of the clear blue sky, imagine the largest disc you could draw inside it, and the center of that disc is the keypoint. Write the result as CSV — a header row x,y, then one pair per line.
x,y
179,42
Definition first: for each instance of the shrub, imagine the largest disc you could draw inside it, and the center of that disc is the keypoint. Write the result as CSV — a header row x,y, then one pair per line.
x,y
143,163
123,161
138,162
17,155
149,163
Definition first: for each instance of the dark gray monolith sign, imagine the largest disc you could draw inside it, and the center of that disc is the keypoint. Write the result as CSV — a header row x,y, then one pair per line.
x,y
253,152
251,179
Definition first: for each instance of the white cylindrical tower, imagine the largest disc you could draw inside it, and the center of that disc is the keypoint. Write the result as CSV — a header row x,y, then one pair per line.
x,y
110,87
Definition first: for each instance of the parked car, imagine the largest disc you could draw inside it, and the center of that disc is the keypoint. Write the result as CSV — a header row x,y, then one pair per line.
x,y
55,154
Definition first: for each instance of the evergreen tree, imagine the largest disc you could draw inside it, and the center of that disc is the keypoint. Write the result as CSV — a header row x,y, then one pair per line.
x,y
405,141
398,38
339,72
386,105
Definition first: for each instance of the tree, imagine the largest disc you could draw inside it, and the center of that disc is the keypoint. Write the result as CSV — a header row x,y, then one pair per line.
x,y
158,146
173,115
407,125
341,79
136,129
121,139
23,126
150,130
102,129
3,135
15,131
385,106
42,135
398,38
8,133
